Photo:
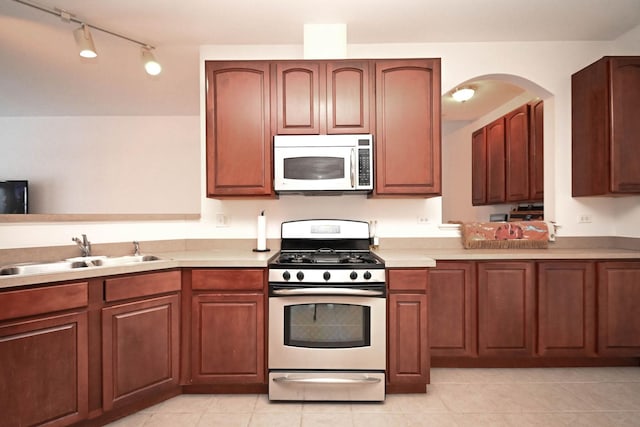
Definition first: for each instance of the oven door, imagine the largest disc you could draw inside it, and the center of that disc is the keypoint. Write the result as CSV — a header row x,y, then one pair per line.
x,y
325,328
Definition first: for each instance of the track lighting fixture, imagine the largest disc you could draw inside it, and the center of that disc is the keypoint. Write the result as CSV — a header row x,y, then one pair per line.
x,y
85,41
152,66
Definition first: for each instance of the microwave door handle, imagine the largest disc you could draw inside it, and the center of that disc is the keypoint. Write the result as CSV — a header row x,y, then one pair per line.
x,y
353,168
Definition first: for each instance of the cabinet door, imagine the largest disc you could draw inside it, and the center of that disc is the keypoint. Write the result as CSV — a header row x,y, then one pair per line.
x,y
228,339
495,162
408,127
298,97
479,167
625,126
452,309
619,309
517,154
348,100
238,129
408,357
44,371
566,309
506,309
140,349
536,152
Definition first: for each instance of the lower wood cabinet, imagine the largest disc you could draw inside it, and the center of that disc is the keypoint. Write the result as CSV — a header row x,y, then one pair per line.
x,y
453,309
44,355
506,309
408,349
566,308
228,326
140,349
619,309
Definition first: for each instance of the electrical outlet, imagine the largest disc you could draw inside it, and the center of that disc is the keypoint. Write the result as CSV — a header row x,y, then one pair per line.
x,y
422,220
222,220
584,219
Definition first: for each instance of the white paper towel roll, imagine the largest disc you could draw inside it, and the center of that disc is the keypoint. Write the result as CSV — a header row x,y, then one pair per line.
x,y
262,233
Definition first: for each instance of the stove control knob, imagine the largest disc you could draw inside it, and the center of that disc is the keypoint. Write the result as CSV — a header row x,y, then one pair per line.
x,y
353,275
286,275
300,275
367,275
326,275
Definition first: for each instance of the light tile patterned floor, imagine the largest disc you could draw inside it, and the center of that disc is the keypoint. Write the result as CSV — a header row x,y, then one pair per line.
x,y
548,397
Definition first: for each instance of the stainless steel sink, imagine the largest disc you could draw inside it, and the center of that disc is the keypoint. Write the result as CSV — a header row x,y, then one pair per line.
x,y
123,260
41,268
74,263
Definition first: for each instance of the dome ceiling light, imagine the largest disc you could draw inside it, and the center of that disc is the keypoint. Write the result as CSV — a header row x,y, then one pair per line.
x,y
463,94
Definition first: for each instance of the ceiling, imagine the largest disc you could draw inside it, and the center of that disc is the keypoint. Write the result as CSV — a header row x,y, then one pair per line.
x,y
41,73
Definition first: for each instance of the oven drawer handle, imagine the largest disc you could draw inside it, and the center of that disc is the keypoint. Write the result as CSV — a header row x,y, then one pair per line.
x,y
327,291
327,380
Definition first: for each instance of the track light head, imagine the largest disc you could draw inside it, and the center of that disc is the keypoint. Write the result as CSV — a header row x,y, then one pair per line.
x,y
152,66
85,42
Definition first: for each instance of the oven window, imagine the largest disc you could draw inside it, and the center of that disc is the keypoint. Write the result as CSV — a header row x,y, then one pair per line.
x,y
314,168
327,325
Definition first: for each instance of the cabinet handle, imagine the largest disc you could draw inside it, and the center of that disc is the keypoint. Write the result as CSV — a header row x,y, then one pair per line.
x,y
353,168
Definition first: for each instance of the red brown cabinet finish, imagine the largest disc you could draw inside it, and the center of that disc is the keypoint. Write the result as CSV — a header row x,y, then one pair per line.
x,y
536,151
506,308
408,348
408,127
452,309
496,162
566,308
605,130
517,154
238,129
619,309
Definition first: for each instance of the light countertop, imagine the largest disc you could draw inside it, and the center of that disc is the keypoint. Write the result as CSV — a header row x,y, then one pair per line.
x,y
246,258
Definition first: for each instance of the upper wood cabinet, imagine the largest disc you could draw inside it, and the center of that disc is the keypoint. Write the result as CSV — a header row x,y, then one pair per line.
x,y
238,129
508,158
408,127
326,97
495,161
605,127
479,167
517,154
536,150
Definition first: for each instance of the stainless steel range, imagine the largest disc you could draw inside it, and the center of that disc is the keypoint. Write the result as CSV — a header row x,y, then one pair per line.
x,y
327,314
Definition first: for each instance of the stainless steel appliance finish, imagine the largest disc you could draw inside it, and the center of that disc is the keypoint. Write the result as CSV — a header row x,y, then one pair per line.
x,y
323,163
327,314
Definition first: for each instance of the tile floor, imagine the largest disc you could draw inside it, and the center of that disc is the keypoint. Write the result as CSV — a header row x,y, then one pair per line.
x,y
456,397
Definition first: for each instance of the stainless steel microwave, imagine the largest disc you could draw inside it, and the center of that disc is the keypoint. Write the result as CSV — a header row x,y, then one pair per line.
x,y
323,163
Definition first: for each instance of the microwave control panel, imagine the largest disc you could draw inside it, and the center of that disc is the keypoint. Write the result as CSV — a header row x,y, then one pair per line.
x,y
365,163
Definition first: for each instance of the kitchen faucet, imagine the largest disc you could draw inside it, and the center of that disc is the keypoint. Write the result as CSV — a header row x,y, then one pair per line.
x,y
84,244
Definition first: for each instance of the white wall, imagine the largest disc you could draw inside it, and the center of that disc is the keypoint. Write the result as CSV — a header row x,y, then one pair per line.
x,y
547,64
126,164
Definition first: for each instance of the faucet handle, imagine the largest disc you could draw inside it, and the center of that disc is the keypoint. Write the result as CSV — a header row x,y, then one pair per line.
x,y
136,247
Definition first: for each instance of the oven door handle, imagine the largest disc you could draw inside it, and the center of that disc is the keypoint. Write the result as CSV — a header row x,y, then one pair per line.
x,y
327,380
327,291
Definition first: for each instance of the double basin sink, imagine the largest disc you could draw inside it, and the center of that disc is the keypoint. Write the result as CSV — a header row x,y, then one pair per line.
x,y
74,263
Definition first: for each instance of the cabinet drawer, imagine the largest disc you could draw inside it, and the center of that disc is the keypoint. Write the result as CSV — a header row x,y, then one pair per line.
x,y
408,279
228,279
141,285
29,302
